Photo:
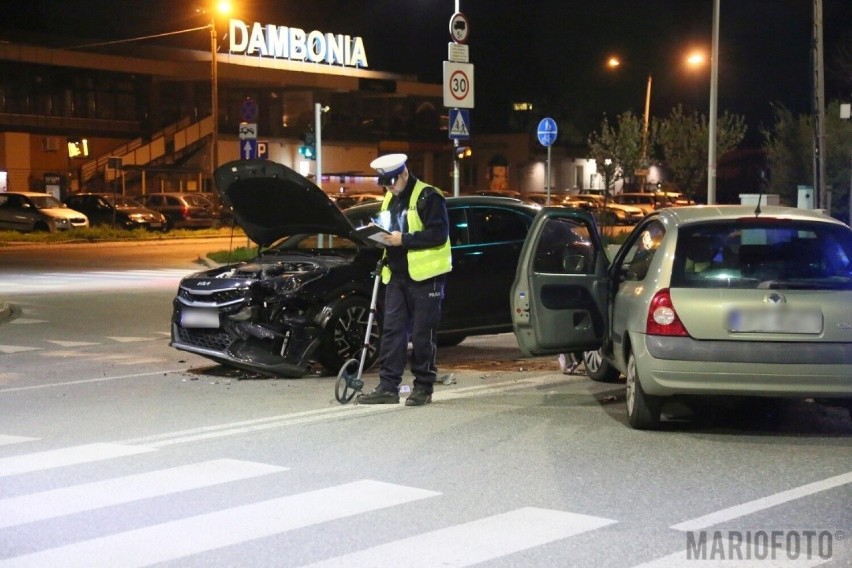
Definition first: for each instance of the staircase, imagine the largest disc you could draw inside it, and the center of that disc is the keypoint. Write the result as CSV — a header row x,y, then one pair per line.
x,y
172,140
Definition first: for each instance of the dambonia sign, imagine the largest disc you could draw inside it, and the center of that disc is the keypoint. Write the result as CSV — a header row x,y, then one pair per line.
x,y
284,42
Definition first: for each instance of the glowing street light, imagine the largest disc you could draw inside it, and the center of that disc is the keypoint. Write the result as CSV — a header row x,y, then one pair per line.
x,y
223,7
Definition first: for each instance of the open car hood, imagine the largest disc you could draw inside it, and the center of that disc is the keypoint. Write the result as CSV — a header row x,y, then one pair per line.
x,y
271,201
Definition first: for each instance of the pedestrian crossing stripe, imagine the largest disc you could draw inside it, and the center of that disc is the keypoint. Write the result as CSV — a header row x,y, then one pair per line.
x,y
8,349
49,459
89,496
6,440
71,343
177,539
476,541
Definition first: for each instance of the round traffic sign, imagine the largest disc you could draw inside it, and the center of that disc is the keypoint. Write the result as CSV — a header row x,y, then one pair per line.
x,y
459,85
249,110
459,27
547,131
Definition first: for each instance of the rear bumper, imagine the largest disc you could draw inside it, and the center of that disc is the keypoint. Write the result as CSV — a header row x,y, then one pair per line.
x,y
682,365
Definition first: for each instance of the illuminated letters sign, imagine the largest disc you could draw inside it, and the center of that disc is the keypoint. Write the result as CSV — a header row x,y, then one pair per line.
x,y
283,42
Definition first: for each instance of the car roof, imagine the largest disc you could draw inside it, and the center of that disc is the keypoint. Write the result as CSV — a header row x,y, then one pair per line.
x,y
28,193
693,213
461,201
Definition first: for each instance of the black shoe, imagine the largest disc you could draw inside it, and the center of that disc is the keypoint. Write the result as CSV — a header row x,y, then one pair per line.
x,y
418,397
378,396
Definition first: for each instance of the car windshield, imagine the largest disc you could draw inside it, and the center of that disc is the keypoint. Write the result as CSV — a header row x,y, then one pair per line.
x,y
764,253
45,201
197,201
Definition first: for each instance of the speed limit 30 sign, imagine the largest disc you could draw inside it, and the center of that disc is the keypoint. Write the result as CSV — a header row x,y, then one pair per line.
x,y
458,85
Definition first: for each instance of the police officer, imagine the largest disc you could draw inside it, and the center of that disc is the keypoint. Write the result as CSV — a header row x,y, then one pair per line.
x,y
417,261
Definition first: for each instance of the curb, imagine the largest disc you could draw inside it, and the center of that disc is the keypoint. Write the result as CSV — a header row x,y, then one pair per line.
x,y
5,311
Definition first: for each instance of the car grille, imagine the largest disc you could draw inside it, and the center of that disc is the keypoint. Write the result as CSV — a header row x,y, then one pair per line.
x,y
218,298
212,339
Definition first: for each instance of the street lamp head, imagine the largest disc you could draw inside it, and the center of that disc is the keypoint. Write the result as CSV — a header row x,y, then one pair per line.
x,y
223,7
695,59
613,62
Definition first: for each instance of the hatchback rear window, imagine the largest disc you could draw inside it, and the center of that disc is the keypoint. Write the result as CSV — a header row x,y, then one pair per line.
x,y
764,253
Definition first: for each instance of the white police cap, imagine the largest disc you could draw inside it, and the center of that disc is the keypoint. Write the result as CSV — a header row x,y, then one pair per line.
x,y
389,166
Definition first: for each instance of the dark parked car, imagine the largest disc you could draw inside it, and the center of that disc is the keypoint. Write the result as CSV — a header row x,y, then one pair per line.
x,y
184,210
306,296
126,213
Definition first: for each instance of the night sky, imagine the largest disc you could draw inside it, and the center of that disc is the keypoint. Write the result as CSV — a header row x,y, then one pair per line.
x,y
550,52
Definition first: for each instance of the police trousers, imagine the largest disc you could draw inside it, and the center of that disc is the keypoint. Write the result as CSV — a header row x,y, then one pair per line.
x,y
412,312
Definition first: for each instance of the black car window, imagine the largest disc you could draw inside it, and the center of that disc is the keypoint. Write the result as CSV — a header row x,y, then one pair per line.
x,y
641,250
153,200
490,225
459,233
172,201
763,253
564,247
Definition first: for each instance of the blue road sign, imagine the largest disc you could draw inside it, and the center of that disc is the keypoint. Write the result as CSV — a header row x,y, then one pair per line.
x,y
248,149
459,124
547,131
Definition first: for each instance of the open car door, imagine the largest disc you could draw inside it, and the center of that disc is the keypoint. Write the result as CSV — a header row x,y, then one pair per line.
x,y
559,295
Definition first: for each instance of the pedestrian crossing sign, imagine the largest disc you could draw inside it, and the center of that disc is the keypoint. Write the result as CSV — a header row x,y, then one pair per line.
x,y
459,123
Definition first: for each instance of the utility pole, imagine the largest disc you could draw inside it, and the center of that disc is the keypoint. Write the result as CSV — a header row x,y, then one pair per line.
x,y
820,192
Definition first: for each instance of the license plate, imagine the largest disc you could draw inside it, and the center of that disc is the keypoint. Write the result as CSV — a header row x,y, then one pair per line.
x,y
190,317
775,321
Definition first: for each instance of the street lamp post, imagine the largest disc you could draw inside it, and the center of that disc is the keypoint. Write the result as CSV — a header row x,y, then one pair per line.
x,y
714,91
214,104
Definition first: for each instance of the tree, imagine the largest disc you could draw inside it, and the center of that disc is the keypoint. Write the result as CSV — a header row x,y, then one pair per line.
x,y
618,150
789,147
684,139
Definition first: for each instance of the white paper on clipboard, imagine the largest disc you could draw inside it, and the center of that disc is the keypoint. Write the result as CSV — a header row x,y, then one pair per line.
x,y
374,232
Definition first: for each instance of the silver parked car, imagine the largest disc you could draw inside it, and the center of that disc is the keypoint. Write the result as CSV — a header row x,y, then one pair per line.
x,y
29,211
700,300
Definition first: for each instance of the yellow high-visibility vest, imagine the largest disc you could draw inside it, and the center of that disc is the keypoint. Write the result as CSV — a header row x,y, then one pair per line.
x,y
422,263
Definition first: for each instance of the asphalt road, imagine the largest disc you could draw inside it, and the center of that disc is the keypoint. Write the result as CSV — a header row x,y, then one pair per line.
x,y
117,450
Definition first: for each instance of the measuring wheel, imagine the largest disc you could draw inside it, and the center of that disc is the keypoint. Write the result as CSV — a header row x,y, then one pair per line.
x,y
348,381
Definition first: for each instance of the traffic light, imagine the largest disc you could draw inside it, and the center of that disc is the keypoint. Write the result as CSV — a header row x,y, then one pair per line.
x,y
308,149
463,152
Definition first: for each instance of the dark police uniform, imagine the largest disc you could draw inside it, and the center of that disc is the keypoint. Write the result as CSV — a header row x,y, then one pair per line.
x,y
412,306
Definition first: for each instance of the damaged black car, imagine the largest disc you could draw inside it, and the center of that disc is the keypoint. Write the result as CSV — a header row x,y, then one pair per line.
x,y
302,305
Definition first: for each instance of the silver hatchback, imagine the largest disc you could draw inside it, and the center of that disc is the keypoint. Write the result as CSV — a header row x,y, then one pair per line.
x,y
718,300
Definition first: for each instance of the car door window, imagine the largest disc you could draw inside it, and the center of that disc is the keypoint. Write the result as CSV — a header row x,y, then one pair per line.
x,y
641,250
564,247
459,234
491,225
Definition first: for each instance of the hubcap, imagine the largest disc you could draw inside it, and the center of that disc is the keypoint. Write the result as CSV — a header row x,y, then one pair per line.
x,y
593,361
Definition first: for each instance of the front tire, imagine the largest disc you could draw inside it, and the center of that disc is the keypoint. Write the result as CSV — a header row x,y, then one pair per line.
x,y
643,410
345,333
598,368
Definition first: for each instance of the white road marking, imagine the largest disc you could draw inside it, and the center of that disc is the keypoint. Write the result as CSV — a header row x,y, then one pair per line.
x,y
17,349
71,343
763,503
90,496
7,440
16,465
27,321
131,339
474,542
181,538
99,380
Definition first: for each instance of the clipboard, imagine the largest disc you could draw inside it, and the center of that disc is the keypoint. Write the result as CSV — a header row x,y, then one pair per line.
x,y
374,232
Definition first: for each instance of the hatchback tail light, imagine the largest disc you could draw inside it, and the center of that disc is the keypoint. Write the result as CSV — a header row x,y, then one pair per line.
x,y
184,212
662,317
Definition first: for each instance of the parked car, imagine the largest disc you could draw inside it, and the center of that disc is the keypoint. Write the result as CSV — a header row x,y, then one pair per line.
x,y
108,208
29,211
647,202
344,201
305,298
609,212
184,210
722,300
